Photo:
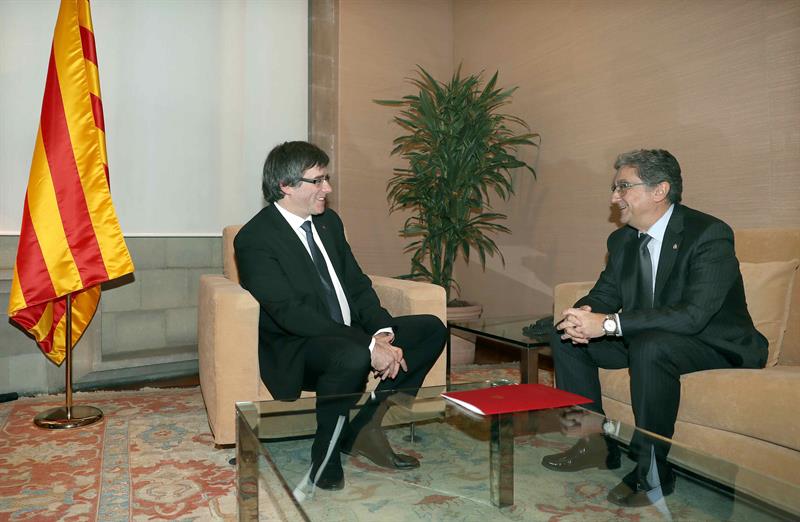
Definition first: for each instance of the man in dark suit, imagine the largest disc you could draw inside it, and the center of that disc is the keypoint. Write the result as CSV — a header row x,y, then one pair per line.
x,y
321,325
670,301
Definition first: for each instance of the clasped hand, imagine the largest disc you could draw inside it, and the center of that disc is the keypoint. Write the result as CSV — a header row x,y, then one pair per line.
x,y
579,325
387,360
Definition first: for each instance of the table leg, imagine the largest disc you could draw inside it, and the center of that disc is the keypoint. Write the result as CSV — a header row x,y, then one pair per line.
x,y
246,470
447,362
501,460
529,366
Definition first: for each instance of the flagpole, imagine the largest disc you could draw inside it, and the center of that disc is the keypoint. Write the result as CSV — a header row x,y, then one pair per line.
x,y
69,416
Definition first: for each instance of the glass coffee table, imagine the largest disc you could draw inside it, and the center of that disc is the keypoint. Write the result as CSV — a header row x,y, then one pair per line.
x,y
511,331
477,468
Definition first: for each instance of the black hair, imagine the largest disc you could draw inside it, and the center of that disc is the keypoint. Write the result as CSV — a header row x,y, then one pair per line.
x,y
285,165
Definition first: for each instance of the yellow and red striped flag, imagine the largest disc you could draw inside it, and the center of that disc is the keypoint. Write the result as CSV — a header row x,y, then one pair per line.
x,y
70,240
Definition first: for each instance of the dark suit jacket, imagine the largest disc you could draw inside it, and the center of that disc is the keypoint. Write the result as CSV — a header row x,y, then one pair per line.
x,y
276,268
699,290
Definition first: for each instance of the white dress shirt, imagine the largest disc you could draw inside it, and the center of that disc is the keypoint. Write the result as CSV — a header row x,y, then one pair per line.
x,y
657,232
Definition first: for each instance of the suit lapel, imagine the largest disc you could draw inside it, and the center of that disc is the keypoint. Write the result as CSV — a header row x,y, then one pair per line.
x,y
330,246
669,251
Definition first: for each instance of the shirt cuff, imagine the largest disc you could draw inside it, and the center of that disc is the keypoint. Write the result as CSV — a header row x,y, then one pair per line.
x,y
388,329
619,326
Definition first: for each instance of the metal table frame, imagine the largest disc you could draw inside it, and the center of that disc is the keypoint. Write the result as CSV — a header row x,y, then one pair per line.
x,y
249,458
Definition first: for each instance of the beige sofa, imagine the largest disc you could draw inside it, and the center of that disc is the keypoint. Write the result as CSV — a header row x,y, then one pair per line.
x,y
747,417
227,331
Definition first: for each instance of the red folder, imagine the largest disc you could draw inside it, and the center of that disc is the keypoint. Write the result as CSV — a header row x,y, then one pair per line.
x,y
513,398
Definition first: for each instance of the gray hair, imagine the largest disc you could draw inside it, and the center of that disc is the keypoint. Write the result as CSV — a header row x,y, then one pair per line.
x,y
653,167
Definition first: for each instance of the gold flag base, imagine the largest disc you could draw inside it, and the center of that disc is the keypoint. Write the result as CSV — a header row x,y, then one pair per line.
x,y
65,418
68,416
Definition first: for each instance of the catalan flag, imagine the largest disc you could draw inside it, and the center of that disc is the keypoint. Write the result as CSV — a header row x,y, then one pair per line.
x,y
70,240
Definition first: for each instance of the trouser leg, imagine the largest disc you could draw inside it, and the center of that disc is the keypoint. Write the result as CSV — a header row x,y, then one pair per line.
x,y
576,365
422,339
334,366
576,368
657,361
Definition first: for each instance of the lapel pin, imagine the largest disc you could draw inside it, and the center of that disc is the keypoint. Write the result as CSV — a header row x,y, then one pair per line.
x,y
675,246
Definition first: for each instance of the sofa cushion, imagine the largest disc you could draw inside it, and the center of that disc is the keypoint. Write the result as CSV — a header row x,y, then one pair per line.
x,y
768,288
717,398
758,245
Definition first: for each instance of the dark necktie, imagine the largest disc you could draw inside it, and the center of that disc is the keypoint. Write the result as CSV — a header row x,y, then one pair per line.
x,y
324,275
645,273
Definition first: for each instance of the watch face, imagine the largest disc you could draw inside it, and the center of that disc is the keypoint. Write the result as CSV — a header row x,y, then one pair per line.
x,y
609,325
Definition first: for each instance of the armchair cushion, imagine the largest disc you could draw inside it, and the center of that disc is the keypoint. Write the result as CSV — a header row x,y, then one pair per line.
x,y
768,289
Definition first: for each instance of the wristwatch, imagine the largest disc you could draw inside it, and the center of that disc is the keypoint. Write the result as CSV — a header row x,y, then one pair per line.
x,y
610,325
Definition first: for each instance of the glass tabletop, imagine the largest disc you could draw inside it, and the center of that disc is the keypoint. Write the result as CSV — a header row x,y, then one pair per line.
x,y
479,468
515,330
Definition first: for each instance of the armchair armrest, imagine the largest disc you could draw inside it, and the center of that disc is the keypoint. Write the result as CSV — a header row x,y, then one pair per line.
x,y
227,342
404,297
566,294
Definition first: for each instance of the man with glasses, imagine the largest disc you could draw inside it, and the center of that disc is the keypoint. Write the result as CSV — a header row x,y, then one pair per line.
x,y
321,325
670,301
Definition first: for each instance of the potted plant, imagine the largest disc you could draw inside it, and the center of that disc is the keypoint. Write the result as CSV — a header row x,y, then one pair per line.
x,y
459,148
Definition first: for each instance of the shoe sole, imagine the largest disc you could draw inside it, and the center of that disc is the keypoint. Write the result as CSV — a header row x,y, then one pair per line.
x,y
355,453
331,487
615,465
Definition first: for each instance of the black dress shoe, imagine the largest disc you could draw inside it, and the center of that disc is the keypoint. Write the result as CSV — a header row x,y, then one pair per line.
x,y
330,484
331,478
332,475
624,489
641,494
372,444
590,452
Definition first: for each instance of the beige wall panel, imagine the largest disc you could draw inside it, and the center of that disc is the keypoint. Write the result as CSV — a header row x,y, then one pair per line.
x,y
715,82
380,43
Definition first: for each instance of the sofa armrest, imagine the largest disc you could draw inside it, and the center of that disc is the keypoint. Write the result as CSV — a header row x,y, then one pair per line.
x,y
566,294
227,338
404,297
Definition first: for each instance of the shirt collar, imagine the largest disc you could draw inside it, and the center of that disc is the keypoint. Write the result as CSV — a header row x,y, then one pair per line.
x,y
294,220
659,228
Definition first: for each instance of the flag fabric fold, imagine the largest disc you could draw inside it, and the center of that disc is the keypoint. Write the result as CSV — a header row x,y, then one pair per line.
x,y
70,239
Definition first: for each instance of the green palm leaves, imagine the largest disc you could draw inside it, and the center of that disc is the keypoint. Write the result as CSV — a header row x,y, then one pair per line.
x,y
459,148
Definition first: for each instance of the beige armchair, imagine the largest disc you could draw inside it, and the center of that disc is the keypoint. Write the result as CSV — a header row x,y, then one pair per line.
x,y
227,332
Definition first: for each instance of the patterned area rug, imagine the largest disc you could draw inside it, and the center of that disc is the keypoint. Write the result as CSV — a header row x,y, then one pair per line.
x,y
494,372
151,458
452,482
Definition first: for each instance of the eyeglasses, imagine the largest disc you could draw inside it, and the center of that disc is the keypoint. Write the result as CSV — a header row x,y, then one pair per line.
x,y
623,187
318,181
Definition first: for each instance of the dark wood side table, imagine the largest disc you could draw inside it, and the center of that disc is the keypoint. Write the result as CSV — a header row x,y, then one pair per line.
x,y
508,331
